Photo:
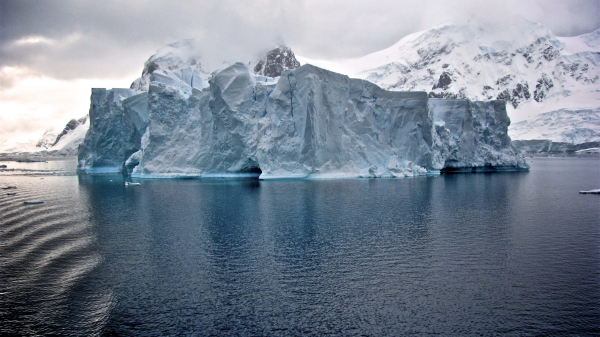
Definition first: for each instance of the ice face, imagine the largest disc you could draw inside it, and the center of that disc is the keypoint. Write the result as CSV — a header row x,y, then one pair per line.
x,y
136,108
323,124
474,134
312,123
211,132
112,137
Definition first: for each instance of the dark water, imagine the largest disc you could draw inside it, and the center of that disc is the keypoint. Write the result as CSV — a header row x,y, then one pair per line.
x,y
467,254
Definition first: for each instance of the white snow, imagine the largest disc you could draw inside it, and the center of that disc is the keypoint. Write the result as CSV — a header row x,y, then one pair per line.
x,y
69,143
564,125
589,42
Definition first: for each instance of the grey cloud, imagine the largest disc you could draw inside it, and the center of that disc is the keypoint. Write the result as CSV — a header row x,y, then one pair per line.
x,y
115,37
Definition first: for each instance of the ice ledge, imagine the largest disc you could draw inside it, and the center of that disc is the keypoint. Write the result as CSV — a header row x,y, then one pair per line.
x,y
484,169
195,175
99,170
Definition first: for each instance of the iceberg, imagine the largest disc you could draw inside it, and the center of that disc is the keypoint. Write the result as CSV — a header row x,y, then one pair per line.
x,y
307,123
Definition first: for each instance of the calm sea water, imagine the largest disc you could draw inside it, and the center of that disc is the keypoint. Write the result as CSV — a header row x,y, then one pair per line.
x,y
466,254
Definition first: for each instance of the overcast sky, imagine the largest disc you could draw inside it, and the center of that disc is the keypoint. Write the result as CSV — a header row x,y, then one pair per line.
x,y
53,52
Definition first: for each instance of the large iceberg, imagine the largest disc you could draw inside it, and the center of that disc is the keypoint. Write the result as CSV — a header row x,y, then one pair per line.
x,y
309,122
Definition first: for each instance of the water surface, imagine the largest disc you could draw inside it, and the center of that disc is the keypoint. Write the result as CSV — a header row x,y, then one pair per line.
x,y
465,254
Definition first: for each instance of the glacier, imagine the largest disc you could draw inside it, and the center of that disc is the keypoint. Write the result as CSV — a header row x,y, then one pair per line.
x,y
306,123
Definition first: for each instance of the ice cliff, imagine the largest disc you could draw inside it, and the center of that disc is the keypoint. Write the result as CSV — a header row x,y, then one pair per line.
x,y
309,122
322,124
473,135
112,135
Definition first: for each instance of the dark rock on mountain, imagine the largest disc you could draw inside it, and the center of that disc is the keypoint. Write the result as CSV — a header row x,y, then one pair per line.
x,y
276,61
71,125
444,81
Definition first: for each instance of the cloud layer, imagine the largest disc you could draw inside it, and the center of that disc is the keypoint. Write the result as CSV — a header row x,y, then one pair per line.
x,y
90,39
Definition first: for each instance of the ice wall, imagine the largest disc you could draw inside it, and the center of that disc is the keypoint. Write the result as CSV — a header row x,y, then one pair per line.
x,y
311,123
211,132
323,124
474,135
112,137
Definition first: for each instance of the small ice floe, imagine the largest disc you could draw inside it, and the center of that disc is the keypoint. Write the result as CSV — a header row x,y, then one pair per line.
x,y
589,151
590,192
33,202
8,187
127,183
11,193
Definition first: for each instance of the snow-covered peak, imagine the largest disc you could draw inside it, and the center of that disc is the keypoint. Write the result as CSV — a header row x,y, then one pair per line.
x,y
181,60
183,52
54,141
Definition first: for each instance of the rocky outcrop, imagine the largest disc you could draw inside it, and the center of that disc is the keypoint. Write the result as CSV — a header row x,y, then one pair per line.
x,y
71,125
276,61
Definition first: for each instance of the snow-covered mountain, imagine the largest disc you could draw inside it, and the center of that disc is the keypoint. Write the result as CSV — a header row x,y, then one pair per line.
x,y
61,142
180,60
519,61
68,140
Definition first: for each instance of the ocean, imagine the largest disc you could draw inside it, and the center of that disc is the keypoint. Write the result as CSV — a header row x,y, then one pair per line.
x,y
456,254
